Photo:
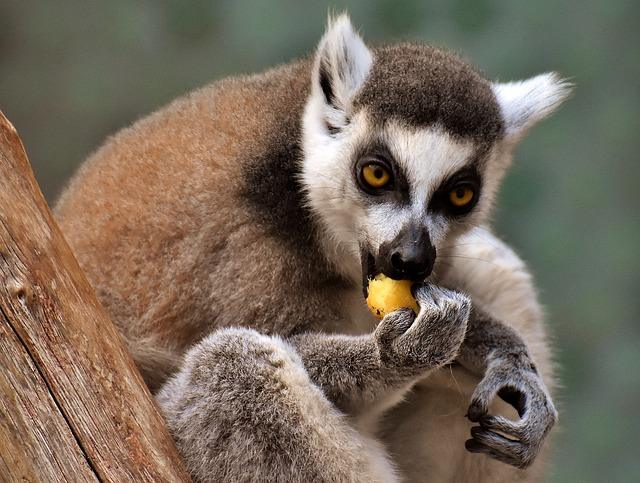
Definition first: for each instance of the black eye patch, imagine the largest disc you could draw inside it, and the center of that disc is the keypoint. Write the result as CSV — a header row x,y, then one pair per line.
x,y
376,153
458,194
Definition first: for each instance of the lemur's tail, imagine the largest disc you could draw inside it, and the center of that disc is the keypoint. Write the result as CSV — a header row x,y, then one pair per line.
x,y
155,362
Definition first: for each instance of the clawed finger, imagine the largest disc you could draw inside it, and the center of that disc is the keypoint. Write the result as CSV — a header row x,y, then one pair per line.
x,y
424,293
395,324
498,446
502,424
476,410
474,447
480,400
483,395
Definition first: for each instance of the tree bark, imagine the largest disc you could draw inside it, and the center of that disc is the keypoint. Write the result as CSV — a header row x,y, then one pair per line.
x,y
73,406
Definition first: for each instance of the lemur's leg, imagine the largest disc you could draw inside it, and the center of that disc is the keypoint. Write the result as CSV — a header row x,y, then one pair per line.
x,y
242,408
250,407
428,432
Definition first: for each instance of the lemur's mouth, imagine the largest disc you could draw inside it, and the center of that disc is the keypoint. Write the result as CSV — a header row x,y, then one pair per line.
x,y
369,269
372,267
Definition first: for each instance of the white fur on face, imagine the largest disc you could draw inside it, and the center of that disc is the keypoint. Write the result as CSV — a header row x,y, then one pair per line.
x,y
327,177
350,217
326,172
427,157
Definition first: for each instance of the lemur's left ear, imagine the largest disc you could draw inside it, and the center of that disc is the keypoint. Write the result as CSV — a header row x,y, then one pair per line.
x,y
341,65
525,103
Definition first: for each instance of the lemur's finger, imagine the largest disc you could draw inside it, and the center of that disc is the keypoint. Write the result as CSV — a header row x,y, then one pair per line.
x,y
474,446
443,316
502,424
432,295
515,451
495,440
424,293
483,395
477,409
394,325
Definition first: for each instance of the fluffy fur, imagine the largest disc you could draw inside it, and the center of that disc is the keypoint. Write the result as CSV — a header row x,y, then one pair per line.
x,y
237,206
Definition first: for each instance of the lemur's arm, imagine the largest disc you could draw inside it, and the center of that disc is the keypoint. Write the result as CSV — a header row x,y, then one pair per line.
x,y
355,371
488,341
497,354
498,281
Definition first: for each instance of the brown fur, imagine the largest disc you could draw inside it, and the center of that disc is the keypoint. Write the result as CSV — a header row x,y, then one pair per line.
x,y
160,221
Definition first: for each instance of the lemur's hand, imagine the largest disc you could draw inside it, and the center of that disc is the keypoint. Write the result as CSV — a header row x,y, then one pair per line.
x,y
513,442
412,344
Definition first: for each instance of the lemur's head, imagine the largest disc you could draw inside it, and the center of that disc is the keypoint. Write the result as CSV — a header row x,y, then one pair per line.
x,y
405,147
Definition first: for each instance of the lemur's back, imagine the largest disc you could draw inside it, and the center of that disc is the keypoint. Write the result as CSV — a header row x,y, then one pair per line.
x,y
168,219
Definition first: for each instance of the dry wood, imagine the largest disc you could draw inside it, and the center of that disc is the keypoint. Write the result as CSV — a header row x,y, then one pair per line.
x,y
73,406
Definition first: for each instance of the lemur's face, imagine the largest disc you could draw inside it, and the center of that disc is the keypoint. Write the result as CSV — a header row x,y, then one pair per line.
x,y
396,195
405,148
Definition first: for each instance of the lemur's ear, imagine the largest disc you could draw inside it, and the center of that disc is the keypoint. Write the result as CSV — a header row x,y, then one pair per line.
x,y
341,65
525,103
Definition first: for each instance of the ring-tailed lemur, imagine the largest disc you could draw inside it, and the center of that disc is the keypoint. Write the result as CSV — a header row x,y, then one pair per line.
x,y
229,235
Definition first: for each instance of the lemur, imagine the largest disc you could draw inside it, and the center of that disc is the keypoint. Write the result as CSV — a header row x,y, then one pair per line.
x,y
230,236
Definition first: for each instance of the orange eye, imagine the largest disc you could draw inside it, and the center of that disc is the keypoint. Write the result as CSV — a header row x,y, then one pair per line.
x,y
375,175
461,196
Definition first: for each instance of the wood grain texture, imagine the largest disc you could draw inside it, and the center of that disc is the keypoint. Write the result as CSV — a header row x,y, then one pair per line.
x,y
72,403
28,414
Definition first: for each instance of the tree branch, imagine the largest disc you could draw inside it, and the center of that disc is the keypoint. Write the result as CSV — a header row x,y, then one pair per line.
x,y
73,406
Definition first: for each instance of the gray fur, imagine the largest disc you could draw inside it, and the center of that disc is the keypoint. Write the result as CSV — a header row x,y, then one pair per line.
x,y
497,354
423,86
242,405
242,408
354,371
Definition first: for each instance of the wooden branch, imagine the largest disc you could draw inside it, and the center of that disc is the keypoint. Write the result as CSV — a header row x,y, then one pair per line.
x,y
73,406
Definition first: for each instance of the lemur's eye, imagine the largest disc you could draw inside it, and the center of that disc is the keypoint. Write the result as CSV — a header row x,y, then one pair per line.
x,y
461,196
375,175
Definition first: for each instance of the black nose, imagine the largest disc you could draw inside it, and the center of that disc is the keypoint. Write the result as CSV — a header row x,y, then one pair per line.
x,y
409,256
413,261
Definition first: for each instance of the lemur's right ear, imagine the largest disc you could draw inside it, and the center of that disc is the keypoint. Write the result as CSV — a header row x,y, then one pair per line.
x,y
341,65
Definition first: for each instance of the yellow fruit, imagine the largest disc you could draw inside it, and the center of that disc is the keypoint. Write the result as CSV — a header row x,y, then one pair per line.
x,y
386,295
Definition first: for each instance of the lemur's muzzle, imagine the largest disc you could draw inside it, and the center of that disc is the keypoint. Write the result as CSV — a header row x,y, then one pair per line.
x,y
409,256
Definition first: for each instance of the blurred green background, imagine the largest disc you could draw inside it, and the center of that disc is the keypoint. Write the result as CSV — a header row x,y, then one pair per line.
x,y
73,72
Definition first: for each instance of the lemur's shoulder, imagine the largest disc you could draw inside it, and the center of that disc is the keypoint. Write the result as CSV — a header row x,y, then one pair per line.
x,y
188,186
200,144
240,112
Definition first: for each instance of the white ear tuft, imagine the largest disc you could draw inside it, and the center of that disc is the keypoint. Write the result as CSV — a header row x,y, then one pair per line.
x,y
342,64
525,103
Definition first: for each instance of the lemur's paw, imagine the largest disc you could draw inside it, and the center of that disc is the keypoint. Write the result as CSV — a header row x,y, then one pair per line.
x,y
513,442
428,340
